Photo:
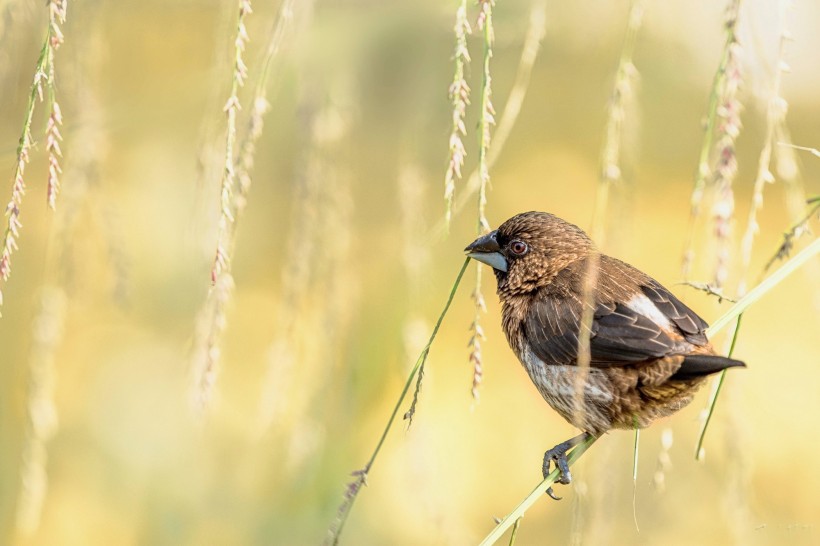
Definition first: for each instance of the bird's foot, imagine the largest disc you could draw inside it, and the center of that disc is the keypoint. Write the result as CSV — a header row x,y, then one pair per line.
x,y
558,454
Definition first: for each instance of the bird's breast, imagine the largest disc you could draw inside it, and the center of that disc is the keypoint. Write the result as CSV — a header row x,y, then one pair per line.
x,y
562,380
560,386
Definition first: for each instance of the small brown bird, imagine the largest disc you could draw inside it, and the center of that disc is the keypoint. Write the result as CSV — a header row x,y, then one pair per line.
x,y
648,351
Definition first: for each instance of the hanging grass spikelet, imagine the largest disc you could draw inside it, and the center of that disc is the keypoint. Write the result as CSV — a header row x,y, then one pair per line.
x,y
459,97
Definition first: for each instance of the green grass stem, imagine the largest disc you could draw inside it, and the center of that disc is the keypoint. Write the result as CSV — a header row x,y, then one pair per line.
x,y
335,531
536,494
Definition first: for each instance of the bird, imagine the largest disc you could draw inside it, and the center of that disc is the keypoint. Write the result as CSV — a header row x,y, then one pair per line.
x,y
647,351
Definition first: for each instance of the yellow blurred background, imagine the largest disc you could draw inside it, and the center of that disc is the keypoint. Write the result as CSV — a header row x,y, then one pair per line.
x,y
340,273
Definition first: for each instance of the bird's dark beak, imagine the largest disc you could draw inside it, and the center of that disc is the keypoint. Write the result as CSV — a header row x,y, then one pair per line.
x,y
486,249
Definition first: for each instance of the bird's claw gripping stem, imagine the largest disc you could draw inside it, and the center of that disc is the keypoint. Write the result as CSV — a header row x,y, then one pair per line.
x,y
559,455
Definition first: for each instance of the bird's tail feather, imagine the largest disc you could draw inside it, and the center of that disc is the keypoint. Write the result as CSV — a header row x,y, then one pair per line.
x,y
694,366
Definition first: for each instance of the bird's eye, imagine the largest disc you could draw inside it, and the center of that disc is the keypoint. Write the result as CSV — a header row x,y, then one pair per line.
x,y
518,247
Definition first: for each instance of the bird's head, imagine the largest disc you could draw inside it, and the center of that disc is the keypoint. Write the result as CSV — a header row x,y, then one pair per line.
x,y
529,249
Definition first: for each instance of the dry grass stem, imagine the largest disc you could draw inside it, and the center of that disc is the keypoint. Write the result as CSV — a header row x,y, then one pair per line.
x,y
717,164
585,333
56,17
352,489
238,76
319,284
46,332
708,289
53,138
725,160
514,532
635,452
416,255
301,259
477,336
700,451
487,115
256,121
210,325
211,320
622,95
800,228
486,119
236,172
813,151
41,412
775,116
536,29
43,82
664,464
334,293
802,258
788,172
512,108
459,97
610,174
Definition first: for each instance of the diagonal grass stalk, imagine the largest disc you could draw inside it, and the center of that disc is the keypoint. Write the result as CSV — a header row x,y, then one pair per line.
x,y
761,289
535,495
737,311
713,400
335,531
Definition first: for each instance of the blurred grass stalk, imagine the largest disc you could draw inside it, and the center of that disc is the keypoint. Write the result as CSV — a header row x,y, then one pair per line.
x,y
724,152
776,108
319,286
700,453
486,119
610,175
48,323
459,94
801,258
44,77
236,183
733,313
56,13
813,151
512,108
41,412
460,98
717,164
789,173
211,319
353,488
799,228
623,94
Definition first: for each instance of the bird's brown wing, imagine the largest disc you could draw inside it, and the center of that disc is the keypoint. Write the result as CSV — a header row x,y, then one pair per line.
x,y
620,336
691,326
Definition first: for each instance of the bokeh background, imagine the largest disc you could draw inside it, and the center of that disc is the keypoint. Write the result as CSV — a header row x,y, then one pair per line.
x,y
340,272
